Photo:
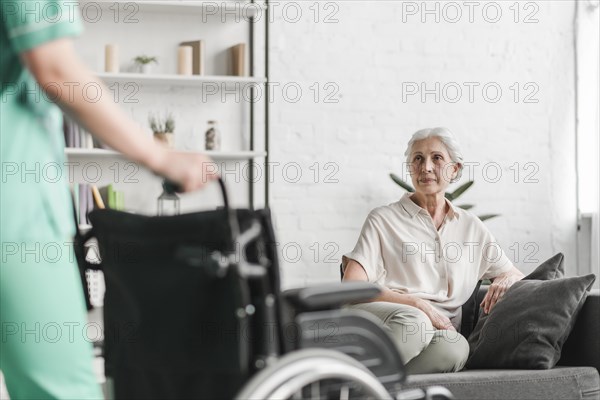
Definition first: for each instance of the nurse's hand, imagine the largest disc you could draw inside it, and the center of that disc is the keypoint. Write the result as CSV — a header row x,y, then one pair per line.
x,y
438,320
190,170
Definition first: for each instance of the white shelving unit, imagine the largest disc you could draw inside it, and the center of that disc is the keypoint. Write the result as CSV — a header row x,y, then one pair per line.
x,y
166,23
156,27
177,80
244,8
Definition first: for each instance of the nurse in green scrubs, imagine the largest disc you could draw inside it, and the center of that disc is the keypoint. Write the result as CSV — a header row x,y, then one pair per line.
x,y
45,343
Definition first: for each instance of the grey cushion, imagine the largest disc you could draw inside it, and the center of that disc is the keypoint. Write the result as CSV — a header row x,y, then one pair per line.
x,y
470,311
528,326
557,383
552,268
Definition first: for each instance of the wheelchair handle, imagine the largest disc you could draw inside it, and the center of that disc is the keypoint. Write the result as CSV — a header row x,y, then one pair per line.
x,y
173,187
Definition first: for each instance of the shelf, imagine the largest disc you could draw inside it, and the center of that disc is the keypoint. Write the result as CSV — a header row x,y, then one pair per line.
x,y
178,80
69,151
163,24
234,155
215,155
244,9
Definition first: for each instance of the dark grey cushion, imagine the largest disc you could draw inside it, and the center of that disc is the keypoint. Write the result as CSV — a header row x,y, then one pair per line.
x,y
552,268
582,348
528,326
470,311
557,383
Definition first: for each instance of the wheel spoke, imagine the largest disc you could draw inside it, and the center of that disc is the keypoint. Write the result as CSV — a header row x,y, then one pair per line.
x,y
315,374
344,392
315,390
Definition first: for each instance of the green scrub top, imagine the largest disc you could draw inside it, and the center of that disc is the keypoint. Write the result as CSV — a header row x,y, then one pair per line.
x,y
35,202
39,289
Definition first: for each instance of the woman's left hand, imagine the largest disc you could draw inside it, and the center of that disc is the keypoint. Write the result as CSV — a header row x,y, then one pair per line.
x,y
499,287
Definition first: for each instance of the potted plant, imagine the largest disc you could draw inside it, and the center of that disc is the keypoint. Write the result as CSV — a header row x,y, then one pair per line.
x,y
144,63
450,196
162,128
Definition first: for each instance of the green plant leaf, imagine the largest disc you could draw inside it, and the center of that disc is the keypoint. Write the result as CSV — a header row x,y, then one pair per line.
x,y
463,188
449,196
487,216
143,59
400,182
466,206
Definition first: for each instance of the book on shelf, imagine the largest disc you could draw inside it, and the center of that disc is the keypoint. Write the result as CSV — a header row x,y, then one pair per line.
x,y
83,203
89,203
120,200
112,198
77,137
75,195
89,197
79,202
107,195
98,198
198,55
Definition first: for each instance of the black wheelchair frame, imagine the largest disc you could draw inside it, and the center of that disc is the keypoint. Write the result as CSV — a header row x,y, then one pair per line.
x,y
193,309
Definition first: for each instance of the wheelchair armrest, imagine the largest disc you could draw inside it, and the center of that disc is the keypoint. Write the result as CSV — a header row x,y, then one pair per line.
x,y
334,295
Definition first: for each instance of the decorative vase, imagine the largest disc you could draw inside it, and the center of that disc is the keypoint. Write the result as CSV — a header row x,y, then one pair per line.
x,y
146,68
212,137
168,202
111,58
184,60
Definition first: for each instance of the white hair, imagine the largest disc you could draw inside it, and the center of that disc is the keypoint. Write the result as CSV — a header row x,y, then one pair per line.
x,y
447,138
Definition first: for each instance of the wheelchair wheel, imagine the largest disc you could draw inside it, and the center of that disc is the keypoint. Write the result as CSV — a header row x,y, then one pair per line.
x,y
314,374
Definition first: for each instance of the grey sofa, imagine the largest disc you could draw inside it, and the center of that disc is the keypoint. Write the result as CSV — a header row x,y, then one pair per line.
x,y
575,376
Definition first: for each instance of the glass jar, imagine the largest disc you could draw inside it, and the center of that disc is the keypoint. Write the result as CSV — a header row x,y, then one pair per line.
x,y
212,137
168,202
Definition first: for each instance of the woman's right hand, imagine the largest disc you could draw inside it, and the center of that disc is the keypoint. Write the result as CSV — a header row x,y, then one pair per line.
x,y
190,170
438,320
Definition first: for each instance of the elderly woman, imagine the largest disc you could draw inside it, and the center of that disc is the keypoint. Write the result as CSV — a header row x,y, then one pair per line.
x,y
427,255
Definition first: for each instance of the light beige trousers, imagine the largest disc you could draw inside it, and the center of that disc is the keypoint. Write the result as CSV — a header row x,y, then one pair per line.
x,y
423,348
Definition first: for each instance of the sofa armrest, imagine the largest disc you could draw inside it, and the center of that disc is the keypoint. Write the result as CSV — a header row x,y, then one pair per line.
x,y
582,348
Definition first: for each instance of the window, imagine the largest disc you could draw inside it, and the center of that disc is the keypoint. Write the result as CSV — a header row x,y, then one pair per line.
x,y
588,131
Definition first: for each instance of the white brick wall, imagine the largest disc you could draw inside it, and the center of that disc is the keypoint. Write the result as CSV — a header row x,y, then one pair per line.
x,y
369,54
366,58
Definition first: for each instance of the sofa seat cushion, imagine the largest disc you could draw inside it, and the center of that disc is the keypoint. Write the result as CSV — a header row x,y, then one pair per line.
x,y
556,383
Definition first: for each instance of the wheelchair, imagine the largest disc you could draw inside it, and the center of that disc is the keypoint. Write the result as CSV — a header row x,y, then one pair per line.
x,y
193,309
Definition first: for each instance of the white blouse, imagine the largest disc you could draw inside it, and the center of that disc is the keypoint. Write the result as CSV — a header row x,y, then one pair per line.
x,y
399,247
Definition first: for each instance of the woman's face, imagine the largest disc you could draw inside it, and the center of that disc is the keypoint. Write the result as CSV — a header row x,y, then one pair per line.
x,y
430,166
